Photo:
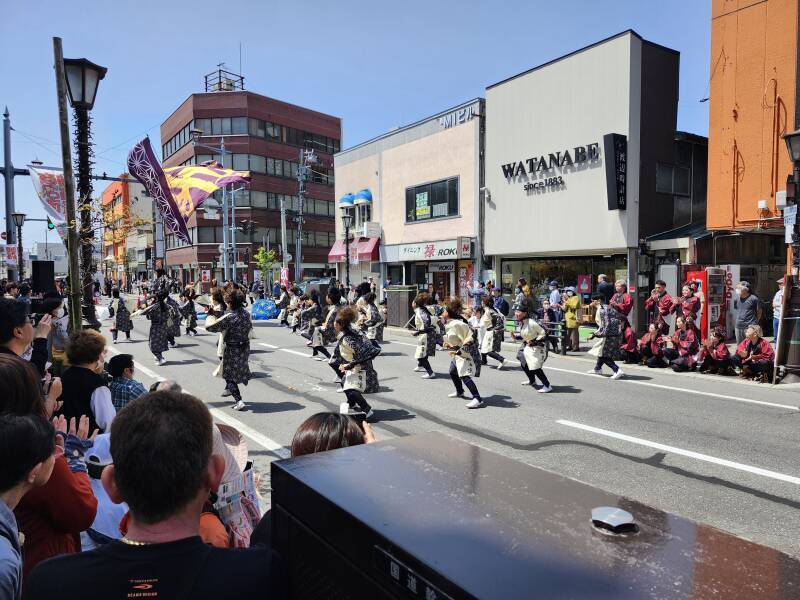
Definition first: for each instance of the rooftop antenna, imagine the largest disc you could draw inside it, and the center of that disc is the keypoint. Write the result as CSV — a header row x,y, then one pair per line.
x,y
240,57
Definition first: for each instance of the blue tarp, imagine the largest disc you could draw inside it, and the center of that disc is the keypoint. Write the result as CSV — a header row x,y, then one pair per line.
x,y
263,310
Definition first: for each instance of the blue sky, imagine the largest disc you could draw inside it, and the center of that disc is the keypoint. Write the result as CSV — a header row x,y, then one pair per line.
x,y
375,64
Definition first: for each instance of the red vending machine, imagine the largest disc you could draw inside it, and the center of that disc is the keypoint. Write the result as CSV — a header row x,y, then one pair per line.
x,y
711,285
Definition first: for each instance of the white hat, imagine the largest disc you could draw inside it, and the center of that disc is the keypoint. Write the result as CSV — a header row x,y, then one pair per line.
x,y
229,443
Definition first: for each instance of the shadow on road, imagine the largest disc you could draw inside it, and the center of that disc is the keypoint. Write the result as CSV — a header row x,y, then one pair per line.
x,y
500,401
393,414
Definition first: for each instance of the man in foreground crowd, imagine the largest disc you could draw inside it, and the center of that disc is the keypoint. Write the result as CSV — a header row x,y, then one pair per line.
x,y
164,469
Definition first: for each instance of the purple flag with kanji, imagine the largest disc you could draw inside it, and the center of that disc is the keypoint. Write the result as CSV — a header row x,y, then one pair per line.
x,y
144,167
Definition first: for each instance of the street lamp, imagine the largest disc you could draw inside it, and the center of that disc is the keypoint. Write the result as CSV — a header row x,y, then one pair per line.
x,y
19,221
83,77
788,343
347,222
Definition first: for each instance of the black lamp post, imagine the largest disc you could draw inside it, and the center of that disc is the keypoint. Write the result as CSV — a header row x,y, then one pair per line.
x,y
83,77
19,221
347,221
789,330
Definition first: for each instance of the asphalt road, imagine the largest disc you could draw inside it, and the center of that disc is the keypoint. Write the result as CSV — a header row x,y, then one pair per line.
x,y
717,450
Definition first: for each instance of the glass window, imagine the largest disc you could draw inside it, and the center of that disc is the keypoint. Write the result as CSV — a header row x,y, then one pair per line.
x,y
664,178
203,125
258,199
270,166
258,163
203,158
226,125
240,162
432,200
218,234
278,168
239,125
205,235
680,181
452,196
226,160
216,126
242,198
293,166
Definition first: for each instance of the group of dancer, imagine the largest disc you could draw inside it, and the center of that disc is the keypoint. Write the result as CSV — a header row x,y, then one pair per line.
x,y
448,327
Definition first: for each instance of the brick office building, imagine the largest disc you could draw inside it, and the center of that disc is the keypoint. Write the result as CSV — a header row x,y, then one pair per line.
x,y
265,137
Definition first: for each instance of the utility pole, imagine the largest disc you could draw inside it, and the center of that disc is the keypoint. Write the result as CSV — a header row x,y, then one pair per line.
x,y
233,233
284,243
225,224
9,172
307,157
74,303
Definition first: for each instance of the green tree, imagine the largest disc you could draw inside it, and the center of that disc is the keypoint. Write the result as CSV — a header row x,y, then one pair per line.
x,y
265,259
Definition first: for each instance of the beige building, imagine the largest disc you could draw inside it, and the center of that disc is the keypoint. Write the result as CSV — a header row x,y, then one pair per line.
x,y
413,194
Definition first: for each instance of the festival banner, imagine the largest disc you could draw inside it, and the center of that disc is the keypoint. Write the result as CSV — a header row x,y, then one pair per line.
x,y
10,252
49,185
178,191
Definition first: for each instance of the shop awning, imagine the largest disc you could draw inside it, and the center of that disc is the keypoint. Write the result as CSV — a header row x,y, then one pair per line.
x,y
337,253
368,249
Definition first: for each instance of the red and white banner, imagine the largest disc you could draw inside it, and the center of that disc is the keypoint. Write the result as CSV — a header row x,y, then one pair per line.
x,y
49,186
285,277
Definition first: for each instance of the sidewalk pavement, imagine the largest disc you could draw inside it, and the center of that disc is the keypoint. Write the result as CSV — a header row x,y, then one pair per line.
x,y
512,347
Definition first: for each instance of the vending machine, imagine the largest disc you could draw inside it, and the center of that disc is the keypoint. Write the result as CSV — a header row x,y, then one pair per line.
x,y
714,304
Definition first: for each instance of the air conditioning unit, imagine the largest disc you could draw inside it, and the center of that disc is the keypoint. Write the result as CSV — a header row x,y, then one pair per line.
x,y
370,229
780,199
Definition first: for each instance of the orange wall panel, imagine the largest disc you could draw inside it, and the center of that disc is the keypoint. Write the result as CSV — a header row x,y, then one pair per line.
x,y
753,54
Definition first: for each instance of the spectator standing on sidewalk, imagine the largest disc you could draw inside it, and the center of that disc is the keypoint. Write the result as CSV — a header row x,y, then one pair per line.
x,y
605,287
572,317
500,303
749,312
777,308
477,293
162,545
17,333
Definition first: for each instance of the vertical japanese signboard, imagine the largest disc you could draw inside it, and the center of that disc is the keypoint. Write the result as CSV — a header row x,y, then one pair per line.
x,y
615,147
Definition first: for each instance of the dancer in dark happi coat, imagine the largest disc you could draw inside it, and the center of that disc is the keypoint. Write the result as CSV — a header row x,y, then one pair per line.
x,y
122,317
425,332
235,325
158,315
175,317
353,351
188,311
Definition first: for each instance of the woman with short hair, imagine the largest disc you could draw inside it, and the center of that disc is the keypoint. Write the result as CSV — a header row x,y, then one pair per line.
x,y
754,355
354,352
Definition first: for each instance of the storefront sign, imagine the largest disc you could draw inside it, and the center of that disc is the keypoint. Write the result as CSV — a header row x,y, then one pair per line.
x,y
616,148
285,276
457,117
429,250
464,247
789,219
441,267
465,275
538,166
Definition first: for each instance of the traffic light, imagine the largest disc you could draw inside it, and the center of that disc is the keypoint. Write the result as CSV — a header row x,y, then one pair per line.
x,y
50,224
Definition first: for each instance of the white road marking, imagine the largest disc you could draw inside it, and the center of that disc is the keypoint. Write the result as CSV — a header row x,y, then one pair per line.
x,y
258,438
246,430
685,390
688,453
404,344
268,345
297,352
